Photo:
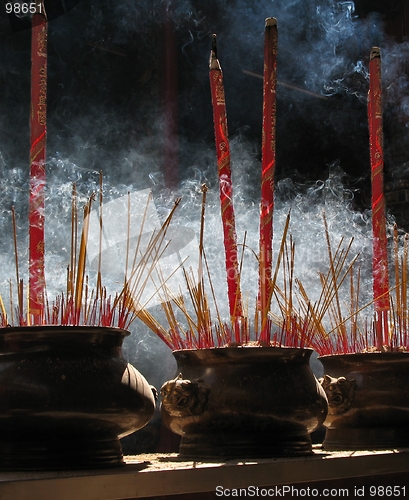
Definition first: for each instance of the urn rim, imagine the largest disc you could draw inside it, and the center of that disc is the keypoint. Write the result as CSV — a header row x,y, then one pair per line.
x,y
244,353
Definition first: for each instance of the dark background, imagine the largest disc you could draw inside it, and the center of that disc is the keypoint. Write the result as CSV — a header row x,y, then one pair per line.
x,y
129,93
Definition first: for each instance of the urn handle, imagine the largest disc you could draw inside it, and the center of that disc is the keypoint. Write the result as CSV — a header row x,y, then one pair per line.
x,y
154,392
340,393
182,397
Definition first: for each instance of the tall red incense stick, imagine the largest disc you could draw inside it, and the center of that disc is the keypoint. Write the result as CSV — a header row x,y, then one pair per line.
x,y
379,250
37,164
267,171
225,183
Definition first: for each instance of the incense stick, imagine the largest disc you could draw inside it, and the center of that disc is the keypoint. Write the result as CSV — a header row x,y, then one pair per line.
x,y
74,235
380,252
37,162
79,280
225,183
267,170
20,297
99,276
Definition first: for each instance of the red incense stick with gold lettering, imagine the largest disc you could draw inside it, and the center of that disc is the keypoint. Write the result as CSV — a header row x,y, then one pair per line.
x,y
225,184
379,245
37,164
267,171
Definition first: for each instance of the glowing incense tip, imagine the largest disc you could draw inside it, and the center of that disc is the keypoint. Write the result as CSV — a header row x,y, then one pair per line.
x,y
214,45
375,52
271,21
214,62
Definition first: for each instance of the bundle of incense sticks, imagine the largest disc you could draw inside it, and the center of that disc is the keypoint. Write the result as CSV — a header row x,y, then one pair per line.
x,y
328,316
37,163
82,304
225,184
189,323
380,250
399,334
267,172
339,326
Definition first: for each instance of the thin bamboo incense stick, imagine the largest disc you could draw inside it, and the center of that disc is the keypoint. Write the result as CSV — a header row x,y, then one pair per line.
x,y
353,307
225,183
267,168
289,86
11,301
404,337
79,282
128,237
13,216
3,313
221,331
37,163
19,283
200,282
399,315
379,245
74,234
99,275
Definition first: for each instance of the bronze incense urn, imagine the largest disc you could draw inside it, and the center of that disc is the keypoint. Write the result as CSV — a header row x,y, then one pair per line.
x,y
368,400
230,402
67,396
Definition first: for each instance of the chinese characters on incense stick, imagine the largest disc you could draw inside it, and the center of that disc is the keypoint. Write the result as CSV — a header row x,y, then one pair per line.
x,y
267,173
225,184
38,135
379,240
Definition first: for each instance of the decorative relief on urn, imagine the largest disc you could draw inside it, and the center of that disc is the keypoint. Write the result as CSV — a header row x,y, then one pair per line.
x,y
340,393
182,397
